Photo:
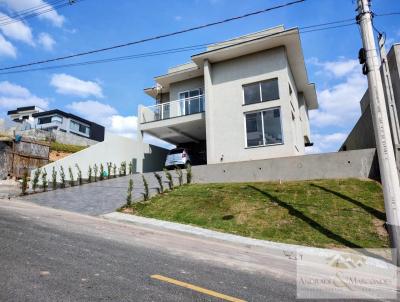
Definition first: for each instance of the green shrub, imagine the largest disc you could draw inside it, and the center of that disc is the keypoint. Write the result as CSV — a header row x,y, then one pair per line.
x,y
129,195
44,180
71,177
189,174
24,185
95,170
54,178
180,175
160,182
35,179
79,174
122,170
146,193
89,174
62,176
170,180
130,168
109,167
101,176
115,170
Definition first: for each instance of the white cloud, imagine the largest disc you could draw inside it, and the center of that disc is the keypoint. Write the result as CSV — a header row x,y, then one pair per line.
x,y
326,142
46,41
13,96
16,30
178,18
109,117
339,105
66,84
6,48
52,15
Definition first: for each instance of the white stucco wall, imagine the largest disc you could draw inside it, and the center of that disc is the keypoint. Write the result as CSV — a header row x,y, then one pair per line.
x,y
115,149
225,109
190,84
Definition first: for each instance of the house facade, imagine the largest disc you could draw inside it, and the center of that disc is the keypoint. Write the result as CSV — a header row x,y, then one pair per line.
x,y
22,114
243,99
68,123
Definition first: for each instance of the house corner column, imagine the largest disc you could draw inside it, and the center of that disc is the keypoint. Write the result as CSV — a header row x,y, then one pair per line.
x,y
210,143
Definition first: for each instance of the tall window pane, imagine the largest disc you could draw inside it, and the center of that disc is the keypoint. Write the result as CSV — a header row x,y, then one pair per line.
x,y
254,129
270,90
252,93
272,126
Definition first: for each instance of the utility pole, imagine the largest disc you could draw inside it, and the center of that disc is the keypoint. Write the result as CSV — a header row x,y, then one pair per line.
x,y
391,104
384,144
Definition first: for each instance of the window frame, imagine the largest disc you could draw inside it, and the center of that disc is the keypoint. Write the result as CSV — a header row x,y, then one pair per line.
x,y
260,91
263,129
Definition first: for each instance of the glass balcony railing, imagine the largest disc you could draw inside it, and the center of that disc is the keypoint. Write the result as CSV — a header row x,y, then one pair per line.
x,y
172,109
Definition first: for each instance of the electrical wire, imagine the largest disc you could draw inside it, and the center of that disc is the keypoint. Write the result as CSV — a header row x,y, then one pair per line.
x,y
154,37
9,20
309,29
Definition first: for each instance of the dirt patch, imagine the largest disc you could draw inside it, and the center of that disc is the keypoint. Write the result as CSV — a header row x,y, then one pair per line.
x,y
56,155
380,229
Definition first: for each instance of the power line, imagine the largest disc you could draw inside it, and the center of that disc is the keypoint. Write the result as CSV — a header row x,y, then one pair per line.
x,y
18,17
32,9
155,37
303,30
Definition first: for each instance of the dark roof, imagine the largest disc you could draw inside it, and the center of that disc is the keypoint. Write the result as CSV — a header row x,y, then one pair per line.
x,y
64,114
21,109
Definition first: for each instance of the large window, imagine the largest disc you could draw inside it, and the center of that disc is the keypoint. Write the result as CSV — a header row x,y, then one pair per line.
x,y
261,92
78,127
264,128
50,119
192,101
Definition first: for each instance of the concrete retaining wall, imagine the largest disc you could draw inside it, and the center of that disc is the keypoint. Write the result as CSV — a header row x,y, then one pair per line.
x,y
357,164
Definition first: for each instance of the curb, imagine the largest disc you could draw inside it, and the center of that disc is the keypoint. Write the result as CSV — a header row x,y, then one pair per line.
x,y
291,251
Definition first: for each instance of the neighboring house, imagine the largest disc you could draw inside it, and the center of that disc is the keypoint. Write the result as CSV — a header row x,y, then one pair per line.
x,y
69,123
22,114
243,99
362,135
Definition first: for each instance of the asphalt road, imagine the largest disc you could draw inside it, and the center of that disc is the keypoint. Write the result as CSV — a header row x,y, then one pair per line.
x,y
53,255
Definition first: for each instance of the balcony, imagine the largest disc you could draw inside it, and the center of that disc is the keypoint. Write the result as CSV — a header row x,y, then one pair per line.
x,y
176,122
172,109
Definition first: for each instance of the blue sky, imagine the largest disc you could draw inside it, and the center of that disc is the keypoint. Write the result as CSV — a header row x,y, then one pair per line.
x,y
110,93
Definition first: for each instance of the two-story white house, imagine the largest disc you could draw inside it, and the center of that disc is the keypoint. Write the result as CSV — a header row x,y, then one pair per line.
x,y
243,99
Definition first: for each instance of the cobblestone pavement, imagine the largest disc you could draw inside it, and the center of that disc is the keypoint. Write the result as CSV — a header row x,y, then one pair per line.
x,y
96,198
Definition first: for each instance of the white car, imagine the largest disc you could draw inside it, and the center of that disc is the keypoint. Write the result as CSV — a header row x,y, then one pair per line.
x,y
177,157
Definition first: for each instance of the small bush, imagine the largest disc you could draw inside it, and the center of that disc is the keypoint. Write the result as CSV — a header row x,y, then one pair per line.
x,y
109,167
44,180
189,174
62,176
122,169
101,176
35,180
89,178
79,174
54,178
129,195
160,182
95,170
115,170
146,193
170,180
71,177
180,175
24,185
130,168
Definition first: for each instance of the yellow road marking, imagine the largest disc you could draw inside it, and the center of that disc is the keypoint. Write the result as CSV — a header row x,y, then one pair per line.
x,y
197,288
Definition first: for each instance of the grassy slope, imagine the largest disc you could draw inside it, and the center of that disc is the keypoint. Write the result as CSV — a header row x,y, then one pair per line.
x,y
323,213
55,146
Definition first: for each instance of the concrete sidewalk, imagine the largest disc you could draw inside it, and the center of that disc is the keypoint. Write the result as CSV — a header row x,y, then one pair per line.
x,y
290,251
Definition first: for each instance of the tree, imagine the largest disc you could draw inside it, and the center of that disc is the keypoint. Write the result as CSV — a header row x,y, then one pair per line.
x,y
62,176
160,182
54,178
146,193
71,177
35,179
44,180
129,195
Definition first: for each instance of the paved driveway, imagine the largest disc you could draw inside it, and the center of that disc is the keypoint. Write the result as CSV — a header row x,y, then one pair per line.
x,y
95,198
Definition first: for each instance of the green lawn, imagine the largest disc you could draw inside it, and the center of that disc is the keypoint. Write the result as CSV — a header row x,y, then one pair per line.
x,y
55,146
323,213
